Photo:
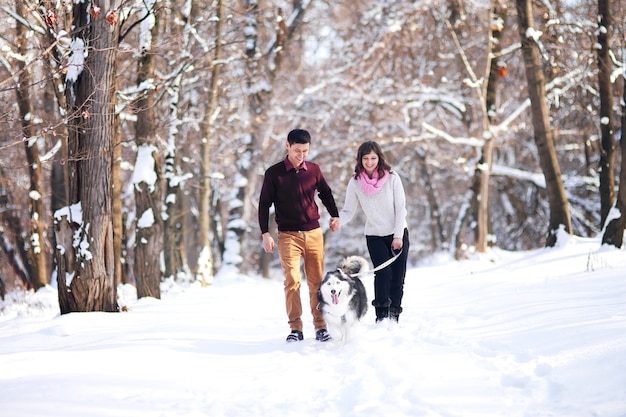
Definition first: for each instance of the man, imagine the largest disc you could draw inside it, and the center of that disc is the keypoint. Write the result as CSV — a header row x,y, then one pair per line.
x,y
291,185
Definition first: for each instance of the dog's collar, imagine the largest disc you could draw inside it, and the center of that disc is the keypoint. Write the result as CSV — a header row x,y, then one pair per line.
x,y
319,307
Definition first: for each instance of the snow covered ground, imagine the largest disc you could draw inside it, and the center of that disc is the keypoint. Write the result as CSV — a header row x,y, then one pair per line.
x,y
539,333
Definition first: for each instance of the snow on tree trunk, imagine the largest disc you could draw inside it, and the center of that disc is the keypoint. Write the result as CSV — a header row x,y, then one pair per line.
x,y
175,265
616,220
85,267
147,173
148,226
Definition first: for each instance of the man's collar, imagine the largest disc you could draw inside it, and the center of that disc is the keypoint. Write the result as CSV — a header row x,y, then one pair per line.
x,y
289,166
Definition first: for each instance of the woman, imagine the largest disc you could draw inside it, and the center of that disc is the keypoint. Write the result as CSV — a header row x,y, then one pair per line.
x,y
379,192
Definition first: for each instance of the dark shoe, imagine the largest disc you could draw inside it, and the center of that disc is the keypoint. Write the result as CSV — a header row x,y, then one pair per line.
x,y
295,336
322,335
382,309
394,313
381,313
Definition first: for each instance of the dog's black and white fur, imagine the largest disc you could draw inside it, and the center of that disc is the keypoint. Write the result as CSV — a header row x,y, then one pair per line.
x,y
342,297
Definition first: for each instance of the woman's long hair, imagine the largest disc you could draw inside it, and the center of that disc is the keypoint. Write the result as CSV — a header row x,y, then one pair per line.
x,y
365,149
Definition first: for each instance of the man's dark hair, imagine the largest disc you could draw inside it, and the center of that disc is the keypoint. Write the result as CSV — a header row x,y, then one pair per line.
x,y
298,136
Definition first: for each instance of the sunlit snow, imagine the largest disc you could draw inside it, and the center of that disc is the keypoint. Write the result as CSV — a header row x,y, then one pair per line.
x,y
538,333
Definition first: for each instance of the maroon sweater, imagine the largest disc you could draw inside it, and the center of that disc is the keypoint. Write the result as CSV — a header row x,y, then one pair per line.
x,y
293,194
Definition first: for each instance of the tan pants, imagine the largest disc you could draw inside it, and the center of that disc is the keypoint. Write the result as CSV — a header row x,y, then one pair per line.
x,y
292,247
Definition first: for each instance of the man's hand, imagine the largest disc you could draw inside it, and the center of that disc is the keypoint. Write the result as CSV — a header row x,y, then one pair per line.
x,y
268,243
334,223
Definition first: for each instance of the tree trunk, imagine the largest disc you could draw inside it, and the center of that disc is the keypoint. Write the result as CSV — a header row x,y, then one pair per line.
x,y
262,70
11,241
205,260
616,220
483,169
35,252
84,232
237,224
437,234
174,257
116,209
55,88
478,206
173,224
147,174
607,150
559,209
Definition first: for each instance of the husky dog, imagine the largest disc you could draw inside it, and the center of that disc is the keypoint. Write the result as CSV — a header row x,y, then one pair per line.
x,y
342,298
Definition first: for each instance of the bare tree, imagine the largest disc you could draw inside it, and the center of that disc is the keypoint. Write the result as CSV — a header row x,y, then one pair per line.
x,y
437,231
487,93
147,174
174,257
205,261
11,242
607,142
495,71
35,251
559,209
117,211
257,90
616,219
262,67
51,16
361,70
84,232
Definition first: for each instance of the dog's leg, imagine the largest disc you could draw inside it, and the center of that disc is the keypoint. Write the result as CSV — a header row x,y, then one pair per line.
x,y
333,328
347,333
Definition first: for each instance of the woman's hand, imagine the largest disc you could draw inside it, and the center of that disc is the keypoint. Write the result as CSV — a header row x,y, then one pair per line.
x,y
396,244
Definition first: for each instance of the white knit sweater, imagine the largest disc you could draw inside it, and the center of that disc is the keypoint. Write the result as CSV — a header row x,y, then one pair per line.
x,y
385,211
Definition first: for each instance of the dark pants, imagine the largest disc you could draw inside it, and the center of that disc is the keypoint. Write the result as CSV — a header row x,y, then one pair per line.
x,y
389,281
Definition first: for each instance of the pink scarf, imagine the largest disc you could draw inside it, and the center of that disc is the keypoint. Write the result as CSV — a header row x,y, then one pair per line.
x,y
372,185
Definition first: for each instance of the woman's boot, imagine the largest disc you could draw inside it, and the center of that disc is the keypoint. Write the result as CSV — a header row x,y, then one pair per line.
x,y
382,310
381,313
394,313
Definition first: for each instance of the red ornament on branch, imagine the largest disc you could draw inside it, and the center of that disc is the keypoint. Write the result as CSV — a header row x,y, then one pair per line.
x,y
95,10
111,18
51,18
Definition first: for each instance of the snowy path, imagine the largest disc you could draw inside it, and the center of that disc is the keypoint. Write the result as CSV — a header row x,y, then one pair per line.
x,y
535,334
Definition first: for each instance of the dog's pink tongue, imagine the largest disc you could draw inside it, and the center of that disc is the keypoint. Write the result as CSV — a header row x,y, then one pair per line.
x,y
335,298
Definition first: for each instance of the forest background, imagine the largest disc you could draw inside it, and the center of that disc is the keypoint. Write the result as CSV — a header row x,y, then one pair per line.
x,y
135,134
